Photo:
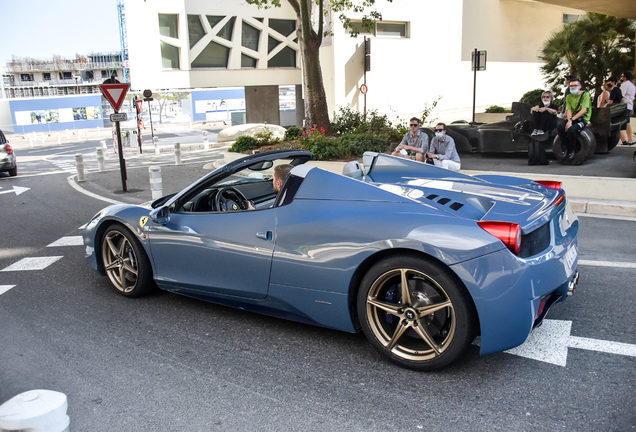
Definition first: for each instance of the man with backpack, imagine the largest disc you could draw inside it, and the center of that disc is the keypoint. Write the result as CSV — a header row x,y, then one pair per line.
x,y
578,110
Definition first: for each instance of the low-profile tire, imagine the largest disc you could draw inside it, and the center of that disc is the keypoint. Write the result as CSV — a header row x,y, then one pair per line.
x,y
432,328
125,262
585,148
13,172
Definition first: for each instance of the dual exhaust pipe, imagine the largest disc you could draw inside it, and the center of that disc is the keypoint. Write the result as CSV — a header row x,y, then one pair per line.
x,y
573,283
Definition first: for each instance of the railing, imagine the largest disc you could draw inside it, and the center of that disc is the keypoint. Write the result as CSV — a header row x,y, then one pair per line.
x,y
53,83
61,67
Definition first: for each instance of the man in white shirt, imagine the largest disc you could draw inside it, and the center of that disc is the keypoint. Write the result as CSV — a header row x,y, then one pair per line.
x,y
628,90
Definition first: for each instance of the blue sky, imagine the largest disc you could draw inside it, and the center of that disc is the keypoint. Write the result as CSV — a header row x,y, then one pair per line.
x,y
41,28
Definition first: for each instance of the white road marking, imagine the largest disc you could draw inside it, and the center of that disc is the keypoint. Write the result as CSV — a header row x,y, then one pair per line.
x,y
25,264
17,189
5,288
68,241
607,264
550,342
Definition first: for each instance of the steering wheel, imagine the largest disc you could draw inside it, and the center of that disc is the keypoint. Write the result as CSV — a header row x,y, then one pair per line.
x,y
230,199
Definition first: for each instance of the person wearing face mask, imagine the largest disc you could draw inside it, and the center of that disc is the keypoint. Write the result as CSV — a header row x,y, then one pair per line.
x,y
614,95
565,95
604,97
544,115
628,90
578,110
443,151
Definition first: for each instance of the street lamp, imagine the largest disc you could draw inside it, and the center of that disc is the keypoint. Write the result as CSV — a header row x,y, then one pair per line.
x,y
77,77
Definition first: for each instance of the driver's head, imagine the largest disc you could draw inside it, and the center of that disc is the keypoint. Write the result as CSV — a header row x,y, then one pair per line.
x,y
280,174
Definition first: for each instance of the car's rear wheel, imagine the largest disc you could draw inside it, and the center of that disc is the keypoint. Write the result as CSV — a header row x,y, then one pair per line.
x,y
126,262
13,172
415,312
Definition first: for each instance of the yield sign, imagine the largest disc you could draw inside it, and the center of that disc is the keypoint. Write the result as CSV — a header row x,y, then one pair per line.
x,y
139,103
115,93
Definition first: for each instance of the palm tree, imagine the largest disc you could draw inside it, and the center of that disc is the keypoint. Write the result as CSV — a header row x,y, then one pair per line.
x,y
591,48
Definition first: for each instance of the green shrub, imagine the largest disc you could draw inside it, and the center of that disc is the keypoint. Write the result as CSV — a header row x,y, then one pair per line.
x,y
347,121
496,109
356,144
532,98
293,133
244,143
266,137
322,148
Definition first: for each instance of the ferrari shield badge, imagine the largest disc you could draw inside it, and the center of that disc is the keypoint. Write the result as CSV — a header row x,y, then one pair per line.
x,y
143,221
234,207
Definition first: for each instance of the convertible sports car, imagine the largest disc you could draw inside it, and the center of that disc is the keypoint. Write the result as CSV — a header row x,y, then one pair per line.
x,y
422,259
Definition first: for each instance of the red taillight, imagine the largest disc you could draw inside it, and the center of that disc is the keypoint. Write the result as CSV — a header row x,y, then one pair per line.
x,y
559,200
509,233
550,184
8,149
541,307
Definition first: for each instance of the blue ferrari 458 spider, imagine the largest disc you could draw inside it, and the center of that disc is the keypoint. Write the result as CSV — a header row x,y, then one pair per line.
x,y
422,259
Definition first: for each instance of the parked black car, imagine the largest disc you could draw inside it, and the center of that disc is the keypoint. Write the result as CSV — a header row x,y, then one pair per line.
x,y
513,134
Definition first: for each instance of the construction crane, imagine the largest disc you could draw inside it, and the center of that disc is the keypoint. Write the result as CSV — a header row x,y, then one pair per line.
x,y
123,39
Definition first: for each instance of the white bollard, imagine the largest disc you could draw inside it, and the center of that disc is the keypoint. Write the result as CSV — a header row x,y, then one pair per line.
x,y
100,158
155,141
103,143
98,131
79,135
86,135
43,138
68,134
177,153
59,138
190,122
35,411
79,166
206,144
31,142
156,188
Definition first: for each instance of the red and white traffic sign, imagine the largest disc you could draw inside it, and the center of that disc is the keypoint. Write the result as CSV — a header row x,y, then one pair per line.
x,y
141,124
140,103
115,93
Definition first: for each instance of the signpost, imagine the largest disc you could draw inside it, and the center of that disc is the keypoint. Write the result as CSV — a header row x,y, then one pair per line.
x,y
140,123
115,93
148,98
478,64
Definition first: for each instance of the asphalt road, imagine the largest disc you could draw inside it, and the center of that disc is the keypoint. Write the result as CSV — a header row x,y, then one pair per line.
x,y
166,362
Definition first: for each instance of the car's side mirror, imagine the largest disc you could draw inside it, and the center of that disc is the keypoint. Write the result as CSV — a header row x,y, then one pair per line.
x,y
160,215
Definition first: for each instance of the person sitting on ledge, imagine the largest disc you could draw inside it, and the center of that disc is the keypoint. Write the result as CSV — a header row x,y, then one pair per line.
x,y
544,116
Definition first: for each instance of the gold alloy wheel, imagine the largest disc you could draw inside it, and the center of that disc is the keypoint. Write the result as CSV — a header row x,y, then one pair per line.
x,y
120,261
411,315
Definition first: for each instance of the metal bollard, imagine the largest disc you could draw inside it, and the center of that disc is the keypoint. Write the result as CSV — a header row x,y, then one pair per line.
x,y
206,144
31,142
35,411
86,132
98,131
103,143
79,135
79,166
43,138
59,138
156,187
100,158
190,122
68,134
177,153
155,141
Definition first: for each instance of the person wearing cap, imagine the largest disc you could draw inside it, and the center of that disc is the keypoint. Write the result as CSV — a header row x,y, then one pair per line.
x,y
628,90
443,151
414,143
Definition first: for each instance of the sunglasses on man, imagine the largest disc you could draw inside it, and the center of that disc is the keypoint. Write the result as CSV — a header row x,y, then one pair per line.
x,y
414,125
440,130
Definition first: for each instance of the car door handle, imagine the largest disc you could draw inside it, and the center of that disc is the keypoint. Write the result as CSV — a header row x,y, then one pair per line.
x,y
265,235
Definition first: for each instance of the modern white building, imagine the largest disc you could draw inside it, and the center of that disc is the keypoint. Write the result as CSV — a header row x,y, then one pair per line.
x,y
420,51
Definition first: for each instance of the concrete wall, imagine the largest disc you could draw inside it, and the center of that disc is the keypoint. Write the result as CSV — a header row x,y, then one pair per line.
x,y
261,103
55,103
6,121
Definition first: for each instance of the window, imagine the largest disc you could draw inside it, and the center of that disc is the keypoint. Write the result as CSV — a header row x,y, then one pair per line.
x,y
169,25
46,76
89,75
195,29
250,37
284,27
214,19
26,77
104,74
568,18
247,61
67,75
226,31
272,43
383,29
213,56
285,58
169,56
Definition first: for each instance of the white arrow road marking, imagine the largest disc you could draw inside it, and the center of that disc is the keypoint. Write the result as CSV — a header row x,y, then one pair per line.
x,y
39,263
607,264
550,342
17,189
5,288
68,241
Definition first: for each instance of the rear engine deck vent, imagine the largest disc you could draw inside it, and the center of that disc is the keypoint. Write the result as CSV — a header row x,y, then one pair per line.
x,y
456,206
443,201
432,196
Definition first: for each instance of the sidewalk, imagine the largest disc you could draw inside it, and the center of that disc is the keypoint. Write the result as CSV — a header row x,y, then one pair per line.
x,y
602,192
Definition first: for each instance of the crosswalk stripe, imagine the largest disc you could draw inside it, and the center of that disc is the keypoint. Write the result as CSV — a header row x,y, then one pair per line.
x,y
39,263
607,264
68,241
5,288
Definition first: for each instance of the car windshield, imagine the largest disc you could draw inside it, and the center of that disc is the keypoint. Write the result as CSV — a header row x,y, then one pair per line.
x,y
248,175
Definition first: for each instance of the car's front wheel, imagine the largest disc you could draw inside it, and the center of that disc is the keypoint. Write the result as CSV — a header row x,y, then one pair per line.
x,y
126,262
415,312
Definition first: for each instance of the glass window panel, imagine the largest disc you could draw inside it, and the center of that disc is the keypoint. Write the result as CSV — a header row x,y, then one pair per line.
x,y
258,19
214,19
213,56
390,30
47,76
250,37
169,56
284,27
272,43
169,25
247,61
195,29
285,58
357,25
226,31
